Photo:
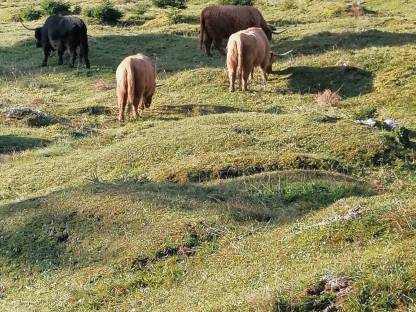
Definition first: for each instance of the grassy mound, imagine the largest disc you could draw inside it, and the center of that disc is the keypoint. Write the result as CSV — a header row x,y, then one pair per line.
x,y
213,201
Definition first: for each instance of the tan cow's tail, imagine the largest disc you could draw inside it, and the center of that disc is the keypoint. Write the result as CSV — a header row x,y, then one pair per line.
x,y
131,84
240,57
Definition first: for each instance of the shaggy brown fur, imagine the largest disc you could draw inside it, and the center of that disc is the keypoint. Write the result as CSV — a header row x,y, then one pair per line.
x,y
219,22
247,49
135,84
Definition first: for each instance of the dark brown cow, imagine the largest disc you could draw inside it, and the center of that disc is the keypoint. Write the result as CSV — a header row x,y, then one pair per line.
x,y
219,22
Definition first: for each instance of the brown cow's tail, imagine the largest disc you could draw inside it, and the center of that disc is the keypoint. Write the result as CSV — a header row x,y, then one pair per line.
x,y
201,31
131,84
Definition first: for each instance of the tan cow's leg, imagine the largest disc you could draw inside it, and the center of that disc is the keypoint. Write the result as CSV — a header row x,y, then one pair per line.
x,y
231,77
122,99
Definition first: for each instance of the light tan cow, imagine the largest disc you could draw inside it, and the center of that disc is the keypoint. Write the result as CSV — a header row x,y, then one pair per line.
x,y
135,84
247,49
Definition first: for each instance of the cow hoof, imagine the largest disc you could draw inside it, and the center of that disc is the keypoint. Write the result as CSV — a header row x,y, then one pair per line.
x,y
44,64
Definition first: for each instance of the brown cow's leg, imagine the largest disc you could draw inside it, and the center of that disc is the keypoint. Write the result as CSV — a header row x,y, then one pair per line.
x,y
207,44
136,110
251,74
264,75
218,45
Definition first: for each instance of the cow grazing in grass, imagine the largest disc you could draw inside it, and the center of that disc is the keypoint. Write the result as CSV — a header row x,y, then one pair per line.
x,y
247,49
135,84
219,22
63,33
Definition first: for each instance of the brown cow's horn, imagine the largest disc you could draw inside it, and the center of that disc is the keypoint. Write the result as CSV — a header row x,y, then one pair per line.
x,y
159,85
278,32
31,29
286,53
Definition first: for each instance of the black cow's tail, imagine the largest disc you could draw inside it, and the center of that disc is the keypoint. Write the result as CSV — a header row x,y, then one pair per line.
x,y
84,49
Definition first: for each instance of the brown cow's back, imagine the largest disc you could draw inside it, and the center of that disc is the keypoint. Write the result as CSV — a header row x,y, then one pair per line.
x,y
219,22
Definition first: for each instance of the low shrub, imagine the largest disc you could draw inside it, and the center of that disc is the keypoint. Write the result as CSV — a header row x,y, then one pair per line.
x,y
174,15
237,2
105,13
289,5
52,7
77,9
365,112
333,10
30,14
180,4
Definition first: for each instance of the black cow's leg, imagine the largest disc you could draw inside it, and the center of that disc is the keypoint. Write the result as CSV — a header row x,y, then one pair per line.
x,y
46,53
83,55
73,53
60,55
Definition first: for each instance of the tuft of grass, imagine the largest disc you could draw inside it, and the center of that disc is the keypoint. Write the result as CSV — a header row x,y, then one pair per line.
x,y
328,98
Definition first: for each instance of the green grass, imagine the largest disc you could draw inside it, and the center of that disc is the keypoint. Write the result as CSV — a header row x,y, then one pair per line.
x,y
211,201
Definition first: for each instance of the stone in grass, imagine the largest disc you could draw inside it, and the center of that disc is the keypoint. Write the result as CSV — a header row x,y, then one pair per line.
x,y
32,117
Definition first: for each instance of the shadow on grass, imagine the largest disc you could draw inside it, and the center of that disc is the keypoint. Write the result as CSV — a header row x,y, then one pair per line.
x,y
350,81
36,232
11,143
327,41
170,53
190,110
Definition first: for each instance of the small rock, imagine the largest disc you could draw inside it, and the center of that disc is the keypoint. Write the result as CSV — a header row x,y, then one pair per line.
x,y
391,124
368,122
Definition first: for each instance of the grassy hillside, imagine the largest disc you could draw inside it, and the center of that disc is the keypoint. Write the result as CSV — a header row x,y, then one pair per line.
x,y
212,201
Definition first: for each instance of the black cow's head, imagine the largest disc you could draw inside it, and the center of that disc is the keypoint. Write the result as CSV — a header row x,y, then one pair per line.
x,y
38,34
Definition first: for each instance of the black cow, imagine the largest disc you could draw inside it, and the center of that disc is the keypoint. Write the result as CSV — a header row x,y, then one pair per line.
x,y
63,33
